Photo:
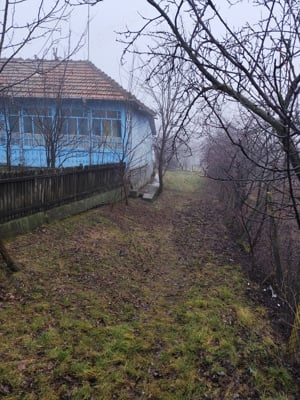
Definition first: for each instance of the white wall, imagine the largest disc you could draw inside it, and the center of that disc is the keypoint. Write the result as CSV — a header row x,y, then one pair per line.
x,y
141,154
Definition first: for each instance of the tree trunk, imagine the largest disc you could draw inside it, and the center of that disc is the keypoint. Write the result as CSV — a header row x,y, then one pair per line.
x,y
125,187
276,251
275,240
8,153
160,179
10,263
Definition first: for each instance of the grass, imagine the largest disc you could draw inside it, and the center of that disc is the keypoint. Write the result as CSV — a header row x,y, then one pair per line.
x,y
104,309
183,181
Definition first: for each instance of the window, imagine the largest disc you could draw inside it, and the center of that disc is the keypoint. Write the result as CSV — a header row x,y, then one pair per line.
x,y
75,125
36,128
111,128
42,128
106,124
96,127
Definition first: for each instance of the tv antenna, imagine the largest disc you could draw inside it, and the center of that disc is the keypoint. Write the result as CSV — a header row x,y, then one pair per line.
x,y
88,33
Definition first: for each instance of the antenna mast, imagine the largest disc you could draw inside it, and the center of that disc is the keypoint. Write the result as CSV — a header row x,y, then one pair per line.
x,y
88,32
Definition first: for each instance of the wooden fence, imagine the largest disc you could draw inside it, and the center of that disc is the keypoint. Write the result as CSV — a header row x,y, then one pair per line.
x,y
30,191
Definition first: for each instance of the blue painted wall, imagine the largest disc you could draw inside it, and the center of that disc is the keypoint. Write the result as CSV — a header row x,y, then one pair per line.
x,y
98,131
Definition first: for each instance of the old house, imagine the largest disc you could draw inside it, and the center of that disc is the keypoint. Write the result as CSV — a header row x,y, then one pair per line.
x,y
67,113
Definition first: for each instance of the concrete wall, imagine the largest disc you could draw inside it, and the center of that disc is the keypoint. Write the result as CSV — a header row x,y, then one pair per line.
x,y
139,177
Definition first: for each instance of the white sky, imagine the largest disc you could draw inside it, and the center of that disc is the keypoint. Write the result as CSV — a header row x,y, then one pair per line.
x,y
111,16
107,18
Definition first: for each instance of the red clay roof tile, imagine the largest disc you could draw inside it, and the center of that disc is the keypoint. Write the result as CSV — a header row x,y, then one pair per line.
x,y
65,79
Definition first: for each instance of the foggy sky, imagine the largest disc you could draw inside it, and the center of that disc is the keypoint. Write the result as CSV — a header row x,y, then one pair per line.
x,y
107,18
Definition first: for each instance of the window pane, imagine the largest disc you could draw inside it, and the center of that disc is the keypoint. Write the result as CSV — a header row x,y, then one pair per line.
x,y
106,125
72,128
83,126
13,124
38,125
96,126
116,128
63,126
27,124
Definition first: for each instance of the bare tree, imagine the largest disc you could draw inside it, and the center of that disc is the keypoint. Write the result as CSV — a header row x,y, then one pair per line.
x,y
17,32
247,182
249,171
175,109
254,67
43,26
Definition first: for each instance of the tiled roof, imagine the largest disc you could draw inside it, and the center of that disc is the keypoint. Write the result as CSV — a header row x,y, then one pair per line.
x,y
65,79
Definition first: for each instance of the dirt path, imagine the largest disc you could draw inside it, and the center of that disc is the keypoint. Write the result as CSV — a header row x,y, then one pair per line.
x,y
155,246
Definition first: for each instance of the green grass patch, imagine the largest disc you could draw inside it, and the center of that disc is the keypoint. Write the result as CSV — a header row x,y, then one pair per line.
x,y
183,181
197,346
